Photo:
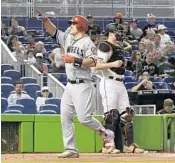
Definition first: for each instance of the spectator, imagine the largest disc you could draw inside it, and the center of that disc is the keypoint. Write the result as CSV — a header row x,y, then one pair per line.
x,y
40,65
30,57
159,57
137,32
3,32
165,38
144,84
41,100
167,68
39,47
156,41
169,50
31,40
118,18
136,63
142,50
149,45
15,29
149,65
167,107
150,33
172,86
17,94
127,35
151,24
93,29
56,60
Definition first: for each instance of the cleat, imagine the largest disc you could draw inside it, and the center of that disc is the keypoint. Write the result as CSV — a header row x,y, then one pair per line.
x,y
68,154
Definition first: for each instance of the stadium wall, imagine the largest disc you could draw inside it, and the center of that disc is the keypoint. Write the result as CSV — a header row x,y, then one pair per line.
x,y
42,133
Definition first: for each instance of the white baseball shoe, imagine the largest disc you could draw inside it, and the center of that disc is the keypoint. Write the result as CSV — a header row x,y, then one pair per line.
x,y
133,148
115,151
68,154
108,139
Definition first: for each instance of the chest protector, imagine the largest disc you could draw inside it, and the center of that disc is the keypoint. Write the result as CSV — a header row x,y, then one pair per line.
x,y
117,54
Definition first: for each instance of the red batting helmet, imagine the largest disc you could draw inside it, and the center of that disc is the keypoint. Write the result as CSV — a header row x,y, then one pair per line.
x,y
82,22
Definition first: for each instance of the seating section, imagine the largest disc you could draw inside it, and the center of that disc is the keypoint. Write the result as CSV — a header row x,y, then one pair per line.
x,y
6,80
16,107
14,74
31,89
27,80
29,105
6,90
6,67
51,107
4,104
55,101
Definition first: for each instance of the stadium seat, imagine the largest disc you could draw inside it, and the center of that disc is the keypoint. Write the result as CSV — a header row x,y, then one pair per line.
x,y
128,73
62,78
16,107
29,105
129,79
161,85
4,104
155,79
31,89
12,112
50,107
27,80
38,94
129,85
6,80
55,101
14,74
6,89
6,67
47,112
168,80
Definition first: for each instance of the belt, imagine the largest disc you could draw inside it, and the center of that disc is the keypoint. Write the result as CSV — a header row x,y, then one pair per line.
x,y
75,81
117,79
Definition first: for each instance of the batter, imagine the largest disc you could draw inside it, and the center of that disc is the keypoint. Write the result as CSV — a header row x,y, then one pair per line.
x,y
78,95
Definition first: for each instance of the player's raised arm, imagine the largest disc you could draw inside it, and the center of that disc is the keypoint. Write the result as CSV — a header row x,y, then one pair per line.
x,y
50,27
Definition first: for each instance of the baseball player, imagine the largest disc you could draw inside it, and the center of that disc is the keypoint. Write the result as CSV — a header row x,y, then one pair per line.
x,y
117,111
78,96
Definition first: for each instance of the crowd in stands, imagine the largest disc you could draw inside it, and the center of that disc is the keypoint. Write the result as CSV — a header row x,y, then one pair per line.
x,y
149,54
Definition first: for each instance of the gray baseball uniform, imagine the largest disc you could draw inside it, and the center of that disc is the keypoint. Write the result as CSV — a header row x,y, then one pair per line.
x,y
77,98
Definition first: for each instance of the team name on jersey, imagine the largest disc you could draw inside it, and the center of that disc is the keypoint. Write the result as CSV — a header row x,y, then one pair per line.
x,y
76,50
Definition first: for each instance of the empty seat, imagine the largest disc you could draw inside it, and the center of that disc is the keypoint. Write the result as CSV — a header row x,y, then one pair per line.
x,y
31,89
16,107
38,94
4,104
27,80
12,112
6,89
129,85
6,67
50,107
161,85
62,78
47,112
155,79
55,101
129,79
29,105
168,80
14,74
128,73
6,80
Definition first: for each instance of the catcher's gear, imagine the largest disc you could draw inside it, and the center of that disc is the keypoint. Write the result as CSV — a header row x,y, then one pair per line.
x,y
111,119
113,28
80,21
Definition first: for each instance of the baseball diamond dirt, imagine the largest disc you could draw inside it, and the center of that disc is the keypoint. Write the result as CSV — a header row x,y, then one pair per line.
x,y
90,157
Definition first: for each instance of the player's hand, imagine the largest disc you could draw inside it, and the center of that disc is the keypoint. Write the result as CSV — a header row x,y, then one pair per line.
x,y
68,59
117,63
40,15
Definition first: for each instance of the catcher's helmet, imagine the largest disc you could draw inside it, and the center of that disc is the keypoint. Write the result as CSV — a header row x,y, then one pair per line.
x,y
112,27
82,22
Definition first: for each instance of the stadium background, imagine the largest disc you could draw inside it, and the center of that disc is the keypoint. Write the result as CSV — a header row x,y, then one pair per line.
x,y
103,12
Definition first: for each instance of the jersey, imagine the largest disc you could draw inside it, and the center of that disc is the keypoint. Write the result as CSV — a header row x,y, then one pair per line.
x,y
81,48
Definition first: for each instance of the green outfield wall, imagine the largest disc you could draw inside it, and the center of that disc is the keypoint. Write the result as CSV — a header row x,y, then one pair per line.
x,y
43,133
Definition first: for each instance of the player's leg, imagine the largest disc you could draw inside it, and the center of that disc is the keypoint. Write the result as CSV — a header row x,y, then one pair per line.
x,y
67,112
83,102
109,94
126,121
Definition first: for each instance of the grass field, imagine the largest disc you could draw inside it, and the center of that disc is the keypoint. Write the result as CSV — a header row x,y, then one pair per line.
x,y
90,157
